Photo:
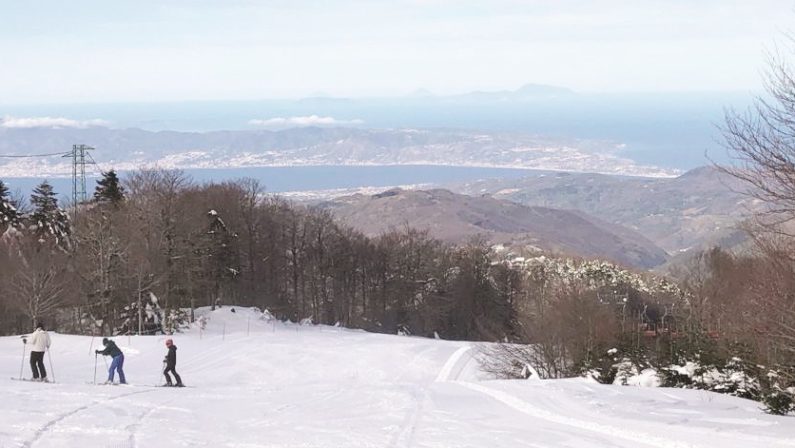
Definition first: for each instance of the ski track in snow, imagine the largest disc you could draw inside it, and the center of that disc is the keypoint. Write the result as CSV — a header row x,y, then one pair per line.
x,y
404,438
323,397
134,427
52,423
458,361
454,365
452,369
613,432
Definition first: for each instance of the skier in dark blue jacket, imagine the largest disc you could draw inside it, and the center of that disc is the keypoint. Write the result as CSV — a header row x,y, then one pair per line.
x,y
112,350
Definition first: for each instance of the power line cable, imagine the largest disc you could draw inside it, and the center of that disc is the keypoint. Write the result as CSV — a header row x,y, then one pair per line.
x,y
94,162
14,156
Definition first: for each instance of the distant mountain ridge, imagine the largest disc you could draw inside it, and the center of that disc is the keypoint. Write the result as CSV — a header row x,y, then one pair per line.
x,y
127,149
456,218
695,210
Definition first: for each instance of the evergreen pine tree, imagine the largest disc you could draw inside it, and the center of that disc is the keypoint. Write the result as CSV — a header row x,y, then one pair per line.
x,y
9,216
49,222
109,189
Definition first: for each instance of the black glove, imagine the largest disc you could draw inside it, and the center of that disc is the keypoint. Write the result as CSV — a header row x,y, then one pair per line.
x,y
24,341
96,351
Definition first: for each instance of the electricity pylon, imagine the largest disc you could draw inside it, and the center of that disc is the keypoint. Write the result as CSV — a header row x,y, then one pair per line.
x,y
78,156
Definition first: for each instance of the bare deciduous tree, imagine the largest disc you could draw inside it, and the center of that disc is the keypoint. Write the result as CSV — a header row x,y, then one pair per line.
x,y
762,139
39,284
762,142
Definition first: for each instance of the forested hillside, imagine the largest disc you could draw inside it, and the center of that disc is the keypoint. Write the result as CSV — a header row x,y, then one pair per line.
x,y
149,248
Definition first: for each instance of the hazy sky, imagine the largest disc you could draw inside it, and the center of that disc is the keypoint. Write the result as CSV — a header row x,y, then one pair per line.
x,y
88,51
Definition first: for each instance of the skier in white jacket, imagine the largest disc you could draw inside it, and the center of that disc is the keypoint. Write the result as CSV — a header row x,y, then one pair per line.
x,y
39,343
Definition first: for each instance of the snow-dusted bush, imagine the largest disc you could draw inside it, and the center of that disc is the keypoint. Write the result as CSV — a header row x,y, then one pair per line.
x,y
734,377
176,320
624,365
149,320
778,401
628,374
778,393
266,316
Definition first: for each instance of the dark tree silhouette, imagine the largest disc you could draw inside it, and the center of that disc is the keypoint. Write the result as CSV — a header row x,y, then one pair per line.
x,y
109,189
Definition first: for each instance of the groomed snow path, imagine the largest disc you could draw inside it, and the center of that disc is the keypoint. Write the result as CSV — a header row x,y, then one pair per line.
x,y
260,383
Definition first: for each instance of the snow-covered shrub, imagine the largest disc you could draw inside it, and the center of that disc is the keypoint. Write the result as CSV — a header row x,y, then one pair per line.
x,y
150,316
674,377
778,392
632,368
733,377
778,401
267,316
628,367
623,371
176,320
629,375
618,365
738,378
601,369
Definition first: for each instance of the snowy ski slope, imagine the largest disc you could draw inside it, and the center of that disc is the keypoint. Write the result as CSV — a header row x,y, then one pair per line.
x,y
261,383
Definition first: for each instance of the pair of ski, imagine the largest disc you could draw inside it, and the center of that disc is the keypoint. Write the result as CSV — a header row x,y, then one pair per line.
x,y
138,385
31,380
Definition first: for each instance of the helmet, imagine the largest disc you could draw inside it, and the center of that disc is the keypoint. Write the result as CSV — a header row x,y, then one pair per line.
x,y
169,342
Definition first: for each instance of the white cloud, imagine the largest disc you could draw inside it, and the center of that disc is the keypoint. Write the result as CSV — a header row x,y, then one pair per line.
x,y
310,120
49,122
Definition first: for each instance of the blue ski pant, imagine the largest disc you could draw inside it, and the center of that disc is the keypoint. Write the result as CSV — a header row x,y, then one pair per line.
x,y
117,364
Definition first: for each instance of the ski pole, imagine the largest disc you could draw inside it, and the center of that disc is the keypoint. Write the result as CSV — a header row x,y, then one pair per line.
x,y
107,369
22,364
96,355
52,371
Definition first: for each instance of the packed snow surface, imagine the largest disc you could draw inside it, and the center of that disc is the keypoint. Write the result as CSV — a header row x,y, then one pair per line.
x,y
261,383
